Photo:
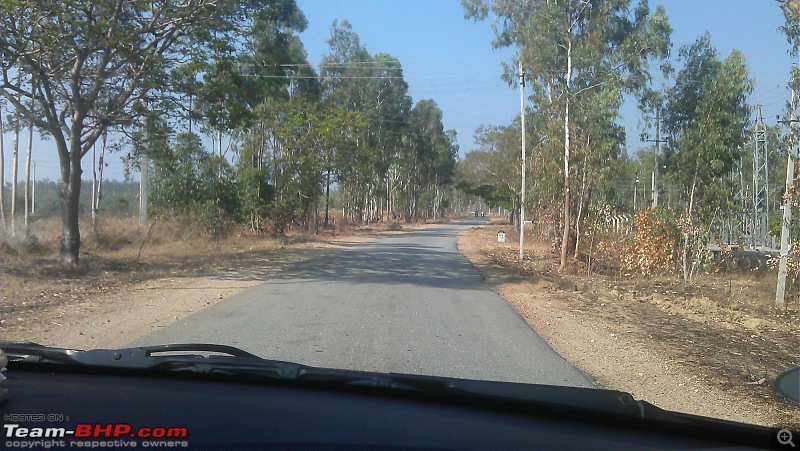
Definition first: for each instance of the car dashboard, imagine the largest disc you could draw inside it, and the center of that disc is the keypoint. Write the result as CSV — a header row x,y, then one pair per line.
x,y
111,408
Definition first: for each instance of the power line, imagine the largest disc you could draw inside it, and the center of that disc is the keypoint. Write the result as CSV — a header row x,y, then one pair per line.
x,y
350,77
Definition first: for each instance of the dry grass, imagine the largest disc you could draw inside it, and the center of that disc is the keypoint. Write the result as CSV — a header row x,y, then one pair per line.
x,y
719,335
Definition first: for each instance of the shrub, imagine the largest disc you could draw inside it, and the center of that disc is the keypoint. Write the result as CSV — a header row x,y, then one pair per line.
x,y
651,248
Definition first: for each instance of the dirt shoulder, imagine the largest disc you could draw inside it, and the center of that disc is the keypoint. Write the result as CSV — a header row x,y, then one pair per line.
x,y
118,294
107,311
661,341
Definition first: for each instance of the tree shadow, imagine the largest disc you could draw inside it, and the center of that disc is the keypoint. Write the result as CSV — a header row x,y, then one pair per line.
x,y
393,260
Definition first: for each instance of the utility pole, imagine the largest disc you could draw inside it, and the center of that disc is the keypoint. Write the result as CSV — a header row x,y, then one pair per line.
x,y
33,190
522,192
436,197
760,182
658,141
787,208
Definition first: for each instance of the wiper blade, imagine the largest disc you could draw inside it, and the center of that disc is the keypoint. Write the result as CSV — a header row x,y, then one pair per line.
x,y
195,357
229,360
556,396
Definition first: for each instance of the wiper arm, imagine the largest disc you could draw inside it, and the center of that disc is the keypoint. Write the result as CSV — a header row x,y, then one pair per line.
x,y
167,357
219,359
229,360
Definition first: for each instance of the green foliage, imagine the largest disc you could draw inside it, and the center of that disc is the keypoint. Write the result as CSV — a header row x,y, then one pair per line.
x,y
392,152
240,70
578,59
284,211
119,198
791,27
426,200
108,64
493,195
493,171
223,97
706,118
190,182
255,192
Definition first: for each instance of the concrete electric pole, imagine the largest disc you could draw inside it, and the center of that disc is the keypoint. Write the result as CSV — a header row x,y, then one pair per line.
x,y
658,141
522,191
787,208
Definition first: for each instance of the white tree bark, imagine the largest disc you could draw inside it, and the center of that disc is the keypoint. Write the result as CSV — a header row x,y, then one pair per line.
x,y
94,189
565,234
2,172
15,163
27,217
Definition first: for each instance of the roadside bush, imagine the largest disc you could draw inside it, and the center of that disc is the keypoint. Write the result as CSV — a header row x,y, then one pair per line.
x,y
651,248
23,244
191,183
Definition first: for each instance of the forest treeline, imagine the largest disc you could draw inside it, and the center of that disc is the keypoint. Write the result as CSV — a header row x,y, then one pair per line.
x,y
280,137
694,183
221,112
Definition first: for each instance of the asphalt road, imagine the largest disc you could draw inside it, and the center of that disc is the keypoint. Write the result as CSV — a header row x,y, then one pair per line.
x,y
407,303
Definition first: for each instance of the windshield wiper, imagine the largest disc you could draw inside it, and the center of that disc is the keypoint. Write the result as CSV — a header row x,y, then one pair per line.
x,y
199,358
229,360
194,357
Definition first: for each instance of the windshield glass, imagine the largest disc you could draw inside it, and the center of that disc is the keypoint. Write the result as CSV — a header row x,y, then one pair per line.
x,y
586,193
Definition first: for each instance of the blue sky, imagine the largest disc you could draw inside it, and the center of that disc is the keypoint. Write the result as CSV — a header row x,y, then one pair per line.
x,y
451,60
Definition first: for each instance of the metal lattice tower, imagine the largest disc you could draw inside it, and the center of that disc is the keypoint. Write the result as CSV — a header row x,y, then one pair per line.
x,y
737,224
760,183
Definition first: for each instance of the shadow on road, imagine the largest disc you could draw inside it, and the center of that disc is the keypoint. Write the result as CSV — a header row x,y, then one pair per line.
x,y
420,257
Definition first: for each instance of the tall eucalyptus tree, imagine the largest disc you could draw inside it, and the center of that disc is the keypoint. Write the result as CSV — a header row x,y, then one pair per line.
x,y
570,48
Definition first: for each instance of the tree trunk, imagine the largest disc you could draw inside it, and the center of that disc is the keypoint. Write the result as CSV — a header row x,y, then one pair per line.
x,y
219,150
69,194
388,195
316,214
581,202
327,196
27,217
686,274
565,234
2,172
191,106
97,182
15,168
94,189
100,167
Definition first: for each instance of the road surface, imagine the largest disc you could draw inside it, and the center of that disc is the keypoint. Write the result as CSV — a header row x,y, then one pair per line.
x,y
407,303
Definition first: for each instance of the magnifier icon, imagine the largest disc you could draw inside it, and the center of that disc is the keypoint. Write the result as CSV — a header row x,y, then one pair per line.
x,y
785,437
